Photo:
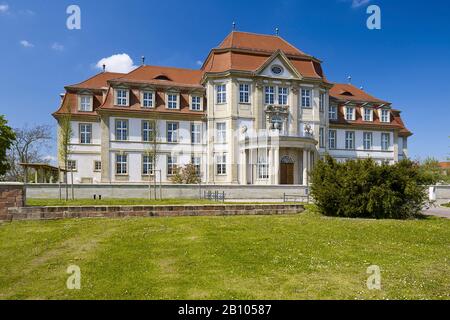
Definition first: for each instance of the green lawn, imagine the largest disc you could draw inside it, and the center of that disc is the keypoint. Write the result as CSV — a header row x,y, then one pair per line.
x,y
305,256
447,205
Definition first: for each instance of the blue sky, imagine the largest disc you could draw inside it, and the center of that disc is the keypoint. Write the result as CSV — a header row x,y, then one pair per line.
x,y
407,62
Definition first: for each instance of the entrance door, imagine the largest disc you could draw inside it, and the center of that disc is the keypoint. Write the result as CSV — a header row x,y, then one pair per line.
x,y
287,173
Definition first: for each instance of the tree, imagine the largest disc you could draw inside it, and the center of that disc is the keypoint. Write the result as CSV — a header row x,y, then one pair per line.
x,y
7,138
152,150
186,175
65,134
27,148
431,169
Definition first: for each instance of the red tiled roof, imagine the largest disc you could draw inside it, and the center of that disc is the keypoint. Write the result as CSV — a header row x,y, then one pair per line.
x,y
163,75
348,92
258,42
444,165
98,81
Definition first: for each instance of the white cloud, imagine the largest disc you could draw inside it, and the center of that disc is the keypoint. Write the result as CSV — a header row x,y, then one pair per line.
x,y
199,62
117,63
57,46
26,44
4,8
359,3
50,158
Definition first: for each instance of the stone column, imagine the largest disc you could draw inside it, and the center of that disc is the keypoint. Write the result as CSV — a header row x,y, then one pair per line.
x,y
396,150
105,152
305,166
293,123
243,172
277,165
258,106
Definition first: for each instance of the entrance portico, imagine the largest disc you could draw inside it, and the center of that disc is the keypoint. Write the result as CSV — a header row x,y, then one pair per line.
x,y
276,160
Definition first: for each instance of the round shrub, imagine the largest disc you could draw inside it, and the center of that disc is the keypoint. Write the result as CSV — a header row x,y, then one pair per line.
x,y
365,189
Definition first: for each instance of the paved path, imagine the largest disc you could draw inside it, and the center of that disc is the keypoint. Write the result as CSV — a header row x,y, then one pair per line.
x,y
443,212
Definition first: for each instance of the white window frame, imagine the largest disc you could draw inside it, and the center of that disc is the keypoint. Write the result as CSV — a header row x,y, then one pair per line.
x,y
196,161
172,164
350,140
196,105
85,106
332,139
221,164
385,116
370,114
385,143
147,131
367,140
72,165
244,93
269,95
221,132
85,133
172,134
221,93
99,167
121,165
147,165
353,110
283,95
148,99
172,104
122,129
306,98
333,112
263,166
196,133
122,97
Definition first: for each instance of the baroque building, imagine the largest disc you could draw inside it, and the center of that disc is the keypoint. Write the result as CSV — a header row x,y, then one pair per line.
x,y
258,111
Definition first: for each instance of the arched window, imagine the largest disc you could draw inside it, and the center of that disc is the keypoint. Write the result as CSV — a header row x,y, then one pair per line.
x,y
287,160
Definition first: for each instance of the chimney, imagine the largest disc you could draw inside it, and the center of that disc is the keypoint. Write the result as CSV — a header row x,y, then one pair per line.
x,y
143,60
104,67
234,26
349,78
277,31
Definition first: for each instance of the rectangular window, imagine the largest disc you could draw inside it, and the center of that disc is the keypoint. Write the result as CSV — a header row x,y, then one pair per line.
x,y
221,93
367,140
85,133
269,95
97,166
321,138
147,99
172,101
244,93
385,116
71,165
121,163
385,141
121,130
196,163
147,131
221,163
172,132
171,165
263,167
332,112
349,113
332,139
196,133
221,132
282,96
306,98
85,103
349,140
196,103
368,114
147,164
122,97
322,102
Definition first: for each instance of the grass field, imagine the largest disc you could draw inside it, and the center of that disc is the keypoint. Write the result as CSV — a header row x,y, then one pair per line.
x,y
447,205
304,256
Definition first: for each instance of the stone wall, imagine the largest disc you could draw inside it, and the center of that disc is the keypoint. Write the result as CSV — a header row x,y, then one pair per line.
x,y
87,191
11,195
441,193
52,213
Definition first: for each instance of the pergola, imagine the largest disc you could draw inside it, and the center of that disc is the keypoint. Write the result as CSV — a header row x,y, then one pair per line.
x,y
44,170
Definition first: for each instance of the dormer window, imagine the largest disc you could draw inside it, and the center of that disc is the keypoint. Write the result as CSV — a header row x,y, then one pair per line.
x,y
350,113
385,115
368,114
172,100
85,103
196,103
122,97
148,99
